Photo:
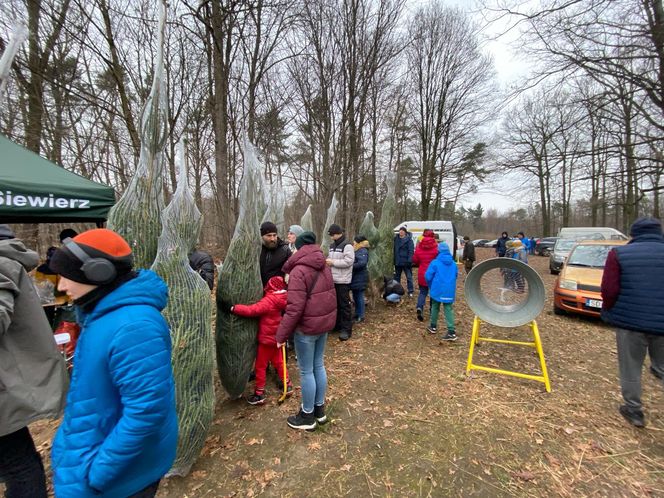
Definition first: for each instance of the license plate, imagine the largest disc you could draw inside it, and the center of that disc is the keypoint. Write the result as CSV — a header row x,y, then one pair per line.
x,y
594,303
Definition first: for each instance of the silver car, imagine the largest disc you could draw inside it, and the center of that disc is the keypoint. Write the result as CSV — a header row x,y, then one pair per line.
x,y
559,254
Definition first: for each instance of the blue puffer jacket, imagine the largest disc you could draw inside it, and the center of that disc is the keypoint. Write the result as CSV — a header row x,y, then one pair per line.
x,y
119,431
441,276
360,271
403,250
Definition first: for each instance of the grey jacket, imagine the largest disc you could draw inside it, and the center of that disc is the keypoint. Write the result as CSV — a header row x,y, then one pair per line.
x,y
342,255
32,372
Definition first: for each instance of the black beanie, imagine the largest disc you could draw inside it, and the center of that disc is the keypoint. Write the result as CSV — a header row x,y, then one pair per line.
x,y
305,238
268,227
335,229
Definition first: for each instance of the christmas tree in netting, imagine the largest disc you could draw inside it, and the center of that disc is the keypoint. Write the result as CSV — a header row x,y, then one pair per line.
x,y
240,282
137,215
189,316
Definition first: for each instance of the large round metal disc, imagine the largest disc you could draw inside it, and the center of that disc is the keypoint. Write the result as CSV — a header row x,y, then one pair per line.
x,y
505,292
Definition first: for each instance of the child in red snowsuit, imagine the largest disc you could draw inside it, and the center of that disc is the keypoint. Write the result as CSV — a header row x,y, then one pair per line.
x,y
269,309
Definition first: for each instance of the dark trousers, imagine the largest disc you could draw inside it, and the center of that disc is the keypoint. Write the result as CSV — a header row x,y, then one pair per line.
x,y
408,270
148,492
632,348
344,311
21,467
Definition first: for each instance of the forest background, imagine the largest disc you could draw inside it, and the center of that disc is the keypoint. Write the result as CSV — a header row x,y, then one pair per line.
x,y
336,93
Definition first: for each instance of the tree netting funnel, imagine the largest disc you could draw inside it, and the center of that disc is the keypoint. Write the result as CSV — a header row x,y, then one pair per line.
x,y
505,292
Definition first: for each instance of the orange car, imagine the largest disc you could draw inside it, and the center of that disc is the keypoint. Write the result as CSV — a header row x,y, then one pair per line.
x,y
577,288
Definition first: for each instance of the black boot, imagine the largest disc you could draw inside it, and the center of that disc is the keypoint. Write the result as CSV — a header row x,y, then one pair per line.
x,y
303,421
319,414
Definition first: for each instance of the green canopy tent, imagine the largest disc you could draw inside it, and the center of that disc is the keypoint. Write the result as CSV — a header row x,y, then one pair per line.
x,y
34,190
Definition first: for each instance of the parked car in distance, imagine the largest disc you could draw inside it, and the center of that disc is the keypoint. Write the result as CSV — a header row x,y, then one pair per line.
x,y
545,246
480,242
577,289
560,251
491,243
591,233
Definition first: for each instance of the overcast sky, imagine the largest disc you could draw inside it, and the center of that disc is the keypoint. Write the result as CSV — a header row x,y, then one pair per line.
x,y
509,70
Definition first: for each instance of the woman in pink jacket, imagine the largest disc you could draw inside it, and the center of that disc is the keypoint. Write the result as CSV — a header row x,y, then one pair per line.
x,y
311,313
425,252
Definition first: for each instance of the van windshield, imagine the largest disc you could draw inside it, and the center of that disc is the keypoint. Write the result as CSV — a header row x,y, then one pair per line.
x,y
564,244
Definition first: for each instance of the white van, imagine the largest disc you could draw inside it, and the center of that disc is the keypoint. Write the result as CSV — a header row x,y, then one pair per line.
x,y
591,233
444,231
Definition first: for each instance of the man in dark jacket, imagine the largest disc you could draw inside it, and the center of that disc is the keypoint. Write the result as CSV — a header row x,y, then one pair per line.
x,y
633,301
468,256
403,257
274,253
501,245
32,371
201,262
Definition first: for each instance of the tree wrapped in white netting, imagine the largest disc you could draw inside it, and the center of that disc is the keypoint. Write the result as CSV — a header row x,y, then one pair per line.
x,y
369,230
19,35
385,248
189,316
137,215
307,222
329,220
275,208
240,282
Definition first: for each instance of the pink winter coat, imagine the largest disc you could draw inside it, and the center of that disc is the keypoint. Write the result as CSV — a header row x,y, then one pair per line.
x,y
425,252
317,313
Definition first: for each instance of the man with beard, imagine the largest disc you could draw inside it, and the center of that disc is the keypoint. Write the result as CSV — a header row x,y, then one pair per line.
x,y
274,252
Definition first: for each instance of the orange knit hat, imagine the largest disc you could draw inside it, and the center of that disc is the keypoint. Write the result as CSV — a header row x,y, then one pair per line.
x,y
106,241
97,243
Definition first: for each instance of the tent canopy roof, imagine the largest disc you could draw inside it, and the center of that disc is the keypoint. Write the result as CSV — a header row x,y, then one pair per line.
x,y
35,190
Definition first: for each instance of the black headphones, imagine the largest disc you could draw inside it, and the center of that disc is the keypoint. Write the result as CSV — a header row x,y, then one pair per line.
x,y
99,271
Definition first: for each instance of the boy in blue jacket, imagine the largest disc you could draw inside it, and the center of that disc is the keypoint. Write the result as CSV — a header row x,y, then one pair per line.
x,y
119,433
441,277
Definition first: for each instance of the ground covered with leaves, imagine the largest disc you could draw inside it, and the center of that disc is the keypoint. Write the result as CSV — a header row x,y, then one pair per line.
x,y
406,421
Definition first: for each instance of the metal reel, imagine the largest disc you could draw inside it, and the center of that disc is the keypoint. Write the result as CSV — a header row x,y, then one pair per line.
x,y
505,292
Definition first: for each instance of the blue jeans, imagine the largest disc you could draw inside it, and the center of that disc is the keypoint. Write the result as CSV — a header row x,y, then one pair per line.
x,y
358,299
422,297
408,270
393,298
313,378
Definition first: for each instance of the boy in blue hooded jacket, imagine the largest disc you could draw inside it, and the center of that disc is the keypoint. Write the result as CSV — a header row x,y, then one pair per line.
x,y
441,277
119,433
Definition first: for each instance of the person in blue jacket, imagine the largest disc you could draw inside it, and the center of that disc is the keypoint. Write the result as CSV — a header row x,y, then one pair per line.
x,y
360,275
441,277
119,433
403,258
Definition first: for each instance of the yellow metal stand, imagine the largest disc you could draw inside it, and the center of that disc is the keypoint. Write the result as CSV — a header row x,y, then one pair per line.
x,y
537,344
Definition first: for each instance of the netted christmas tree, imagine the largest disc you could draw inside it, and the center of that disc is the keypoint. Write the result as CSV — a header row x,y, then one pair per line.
x,y
307,222
369,230
137,215
275,208
384,251
240,282
329,220
189,316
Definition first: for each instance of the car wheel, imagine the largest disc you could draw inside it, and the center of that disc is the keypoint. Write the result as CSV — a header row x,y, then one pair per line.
x,y
558,311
